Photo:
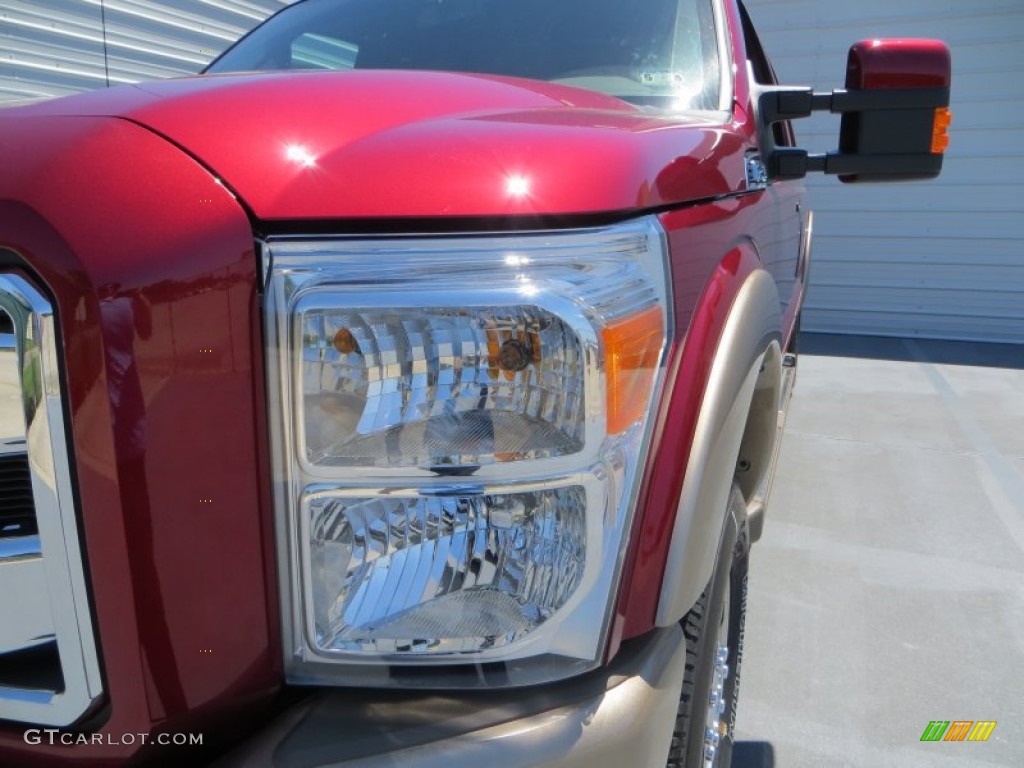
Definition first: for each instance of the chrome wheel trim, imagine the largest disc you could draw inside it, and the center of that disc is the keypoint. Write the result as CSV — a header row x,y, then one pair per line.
x,y
714,727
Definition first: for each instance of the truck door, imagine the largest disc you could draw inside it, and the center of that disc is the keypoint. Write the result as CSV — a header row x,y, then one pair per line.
x,y
781,241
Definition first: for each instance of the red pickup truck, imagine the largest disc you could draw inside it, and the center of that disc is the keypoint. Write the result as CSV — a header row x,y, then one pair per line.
x,y
406,389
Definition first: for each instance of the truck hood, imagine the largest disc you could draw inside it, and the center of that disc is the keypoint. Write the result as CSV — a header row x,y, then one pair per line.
x,y
386,144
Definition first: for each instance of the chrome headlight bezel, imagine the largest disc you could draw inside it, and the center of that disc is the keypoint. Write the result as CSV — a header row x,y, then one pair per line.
x,y
567,273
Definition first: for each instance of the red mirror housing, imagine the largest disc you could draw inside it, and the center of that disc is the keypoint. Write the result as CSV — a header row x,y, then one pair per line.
x,y
874,64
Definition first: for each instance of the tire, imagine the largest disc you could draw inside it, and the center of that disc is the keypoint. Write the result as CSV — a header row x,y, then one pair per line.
x,y
724,600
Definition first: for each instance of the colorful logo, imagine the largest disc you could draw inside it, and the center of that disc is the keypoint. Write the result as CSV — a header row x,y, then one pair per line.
x,y
958,730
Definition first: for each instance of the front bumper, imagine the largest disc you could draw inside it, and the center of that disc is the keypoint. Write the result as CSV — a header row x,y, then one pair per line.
x,y
620,715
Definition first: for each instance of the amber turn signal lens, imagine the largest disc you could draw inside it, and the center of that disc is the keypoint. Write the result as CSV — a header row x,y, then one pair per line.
x,y
940,130
345,342
632,348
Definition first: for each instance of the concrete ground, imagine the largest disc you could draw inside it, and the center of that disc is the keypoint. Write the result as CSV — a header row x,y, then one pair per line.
x,y
888,589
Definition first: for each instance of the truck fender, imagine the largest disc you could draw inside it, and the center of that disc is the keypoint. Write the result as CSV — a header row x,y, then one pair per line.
x,y
751,339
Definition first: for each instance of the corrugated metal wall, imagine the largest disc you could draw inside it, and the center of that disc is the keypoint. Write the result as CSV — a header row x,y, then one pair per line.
x,y
942,259
55,47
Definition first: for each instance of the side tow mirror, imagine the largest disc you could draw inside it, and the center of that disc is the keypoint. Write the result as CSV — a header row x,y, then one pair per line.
x,y
894,111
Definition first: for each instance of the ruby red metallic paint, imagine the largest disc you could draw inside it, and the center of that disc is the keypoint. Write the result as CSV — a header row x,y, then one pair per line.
x,y
712,254
896,63
361,144
150,262
137,231
704,286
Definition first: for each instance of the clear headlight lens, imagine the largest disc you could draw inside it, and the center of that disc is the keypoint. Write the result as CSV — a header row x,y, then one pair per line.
x,y
439,387
458,445
449,573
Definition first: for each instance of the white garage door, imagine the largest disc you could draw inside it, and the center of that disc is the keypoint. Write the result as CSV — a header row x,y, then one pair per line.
x,y
941,259
55,47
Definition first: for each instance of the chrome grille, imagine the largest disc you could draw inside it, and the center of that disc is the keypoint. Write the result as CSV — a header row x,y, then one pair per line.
x,y
49,672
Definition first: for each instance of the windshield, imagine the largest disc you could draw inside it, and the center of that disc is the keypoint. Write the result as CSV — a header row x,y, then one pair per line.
x,y
661,53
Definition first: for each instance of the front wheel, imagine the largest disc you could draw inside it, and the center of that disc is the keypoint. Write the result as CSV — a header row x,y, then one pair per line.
x,y
703,736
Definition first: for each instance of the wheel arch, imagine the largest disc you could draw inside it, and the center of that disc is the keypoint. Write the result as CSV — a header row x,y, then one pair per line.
x,y
756,450
737,410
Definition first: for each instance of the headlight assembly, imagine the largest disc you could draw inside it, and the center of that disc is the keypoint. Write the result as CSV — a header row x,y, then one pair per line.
x,y
458,426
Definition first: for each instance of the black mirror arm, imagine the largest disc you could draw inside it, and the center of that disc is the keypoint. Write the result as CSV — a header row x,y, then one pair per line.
x,y
791,163
780,103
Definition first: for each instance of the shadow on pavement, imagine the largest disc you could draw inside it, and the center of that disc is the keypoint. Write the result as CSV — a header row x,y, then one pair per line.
x,y
753,754
914,350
